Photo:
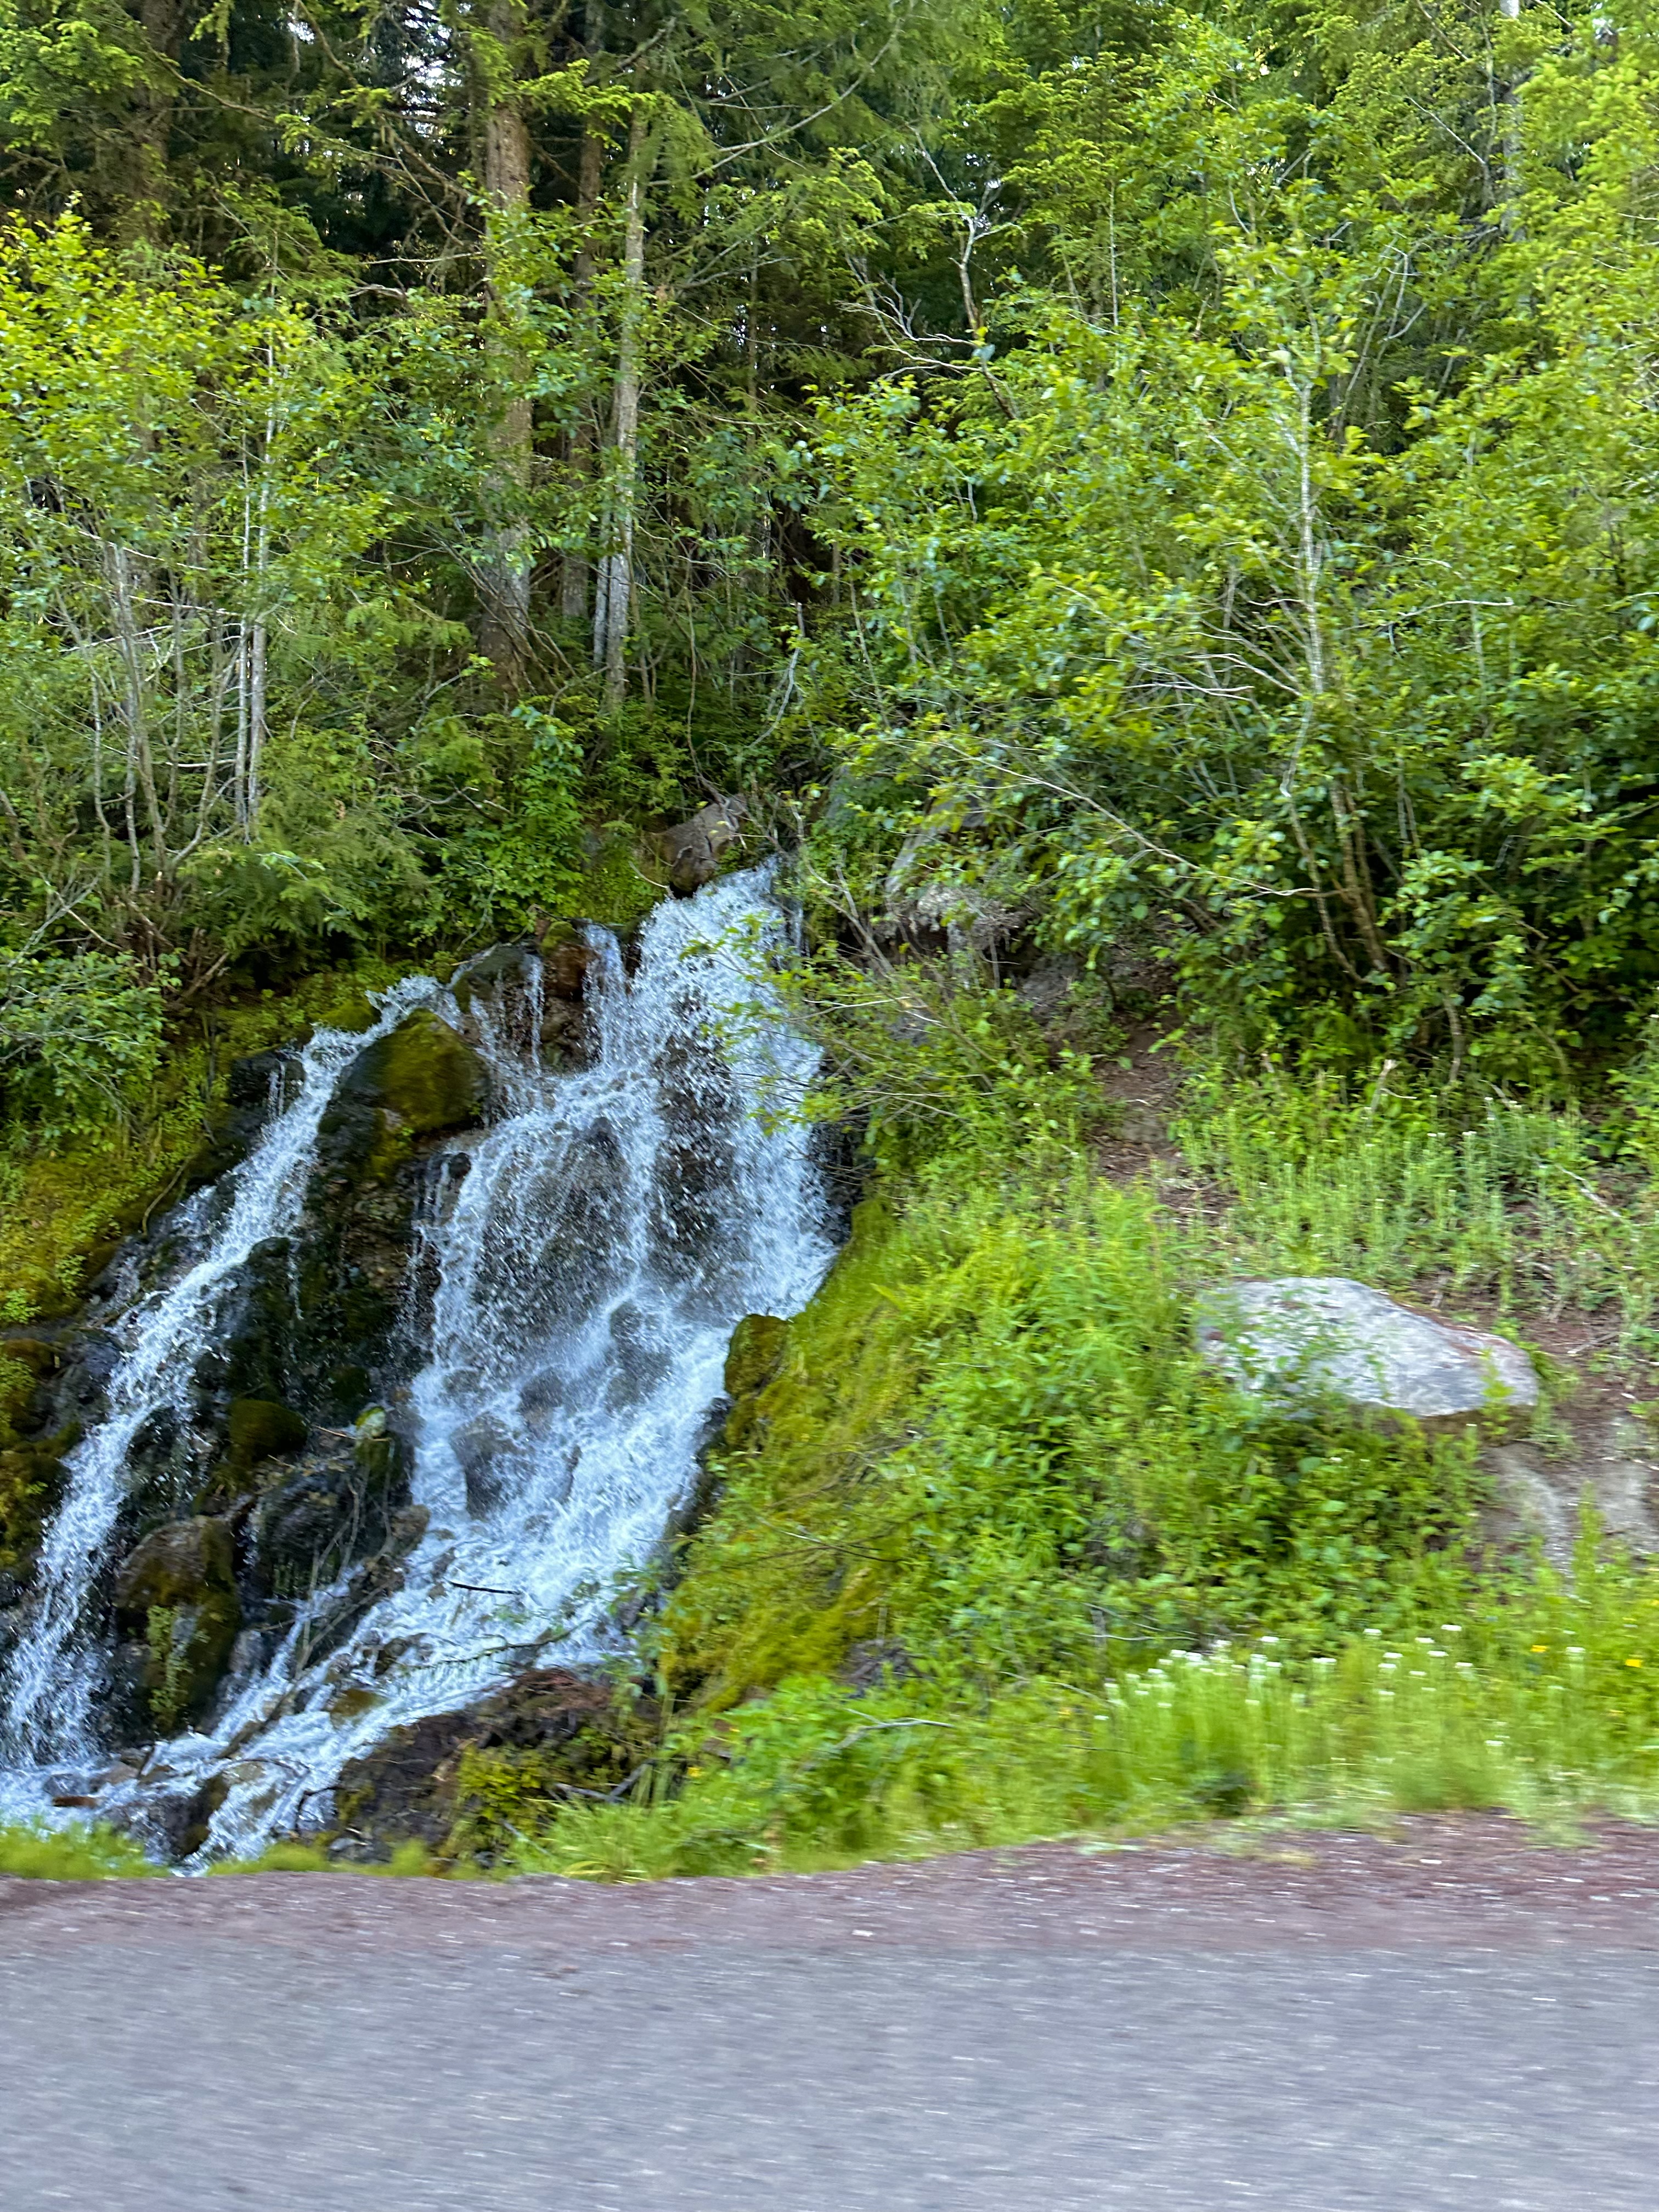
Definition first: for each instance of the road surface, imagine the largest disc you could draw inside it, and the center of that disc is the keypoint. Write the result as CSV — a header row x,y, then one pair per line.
x,y
1454,2018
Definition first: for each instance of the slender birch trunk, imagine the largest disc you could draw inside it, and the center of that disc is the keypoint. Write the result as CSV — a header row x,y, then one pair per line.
x,y
573,581
505,577
614,596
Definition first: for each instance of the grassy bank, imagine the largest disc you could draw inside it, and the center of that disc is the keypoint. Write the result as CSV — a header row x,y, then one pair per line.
x,y
1544,1703
816,1777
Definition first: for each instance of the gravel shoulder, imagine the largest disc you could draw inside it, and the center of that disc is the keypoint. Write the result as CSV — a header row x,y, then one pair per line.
x,y
1480,1879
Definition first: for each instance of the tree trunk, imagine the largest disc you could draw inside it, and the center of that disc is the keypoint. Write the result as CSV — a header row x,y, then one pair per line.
x,y
162,22
614,597
572,581
505,582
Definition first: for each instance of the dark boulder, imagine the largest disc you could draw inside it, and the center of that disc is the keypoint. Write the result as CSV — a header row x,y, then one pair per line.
x,y
459,1782
338,1507
261,1429
177,1613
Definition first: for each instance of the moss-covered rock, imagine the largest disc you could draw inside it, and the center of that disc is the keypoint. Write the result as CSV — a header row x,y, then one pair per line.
x,y
462,1783
261,1428
425,1074
177,1613
31,1468
755,1353
817,1401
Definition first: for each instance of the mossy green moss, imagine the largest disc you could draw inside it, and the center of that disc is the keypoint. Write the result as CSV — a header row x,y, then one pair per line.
x,y
259,1429
425,1074
78,1853
771,1588
63,1213
176,1595
29,1469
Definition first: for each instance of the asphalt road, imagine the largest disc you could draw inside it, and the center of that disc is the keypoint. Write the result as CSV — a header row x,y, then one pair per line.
x,y
1346,2032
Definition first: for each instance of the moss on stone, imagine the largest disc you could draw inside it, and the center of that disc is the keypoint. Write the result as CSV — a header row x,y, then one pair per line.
x,y
756,1353
750,1609
63,1212
175,1597
31,1471
612,891
261,1428
427,1075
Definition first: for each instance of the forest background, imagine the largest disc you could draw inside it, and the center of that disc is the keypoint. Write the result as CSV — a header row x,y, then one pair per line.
x,y
1150,501
1176,476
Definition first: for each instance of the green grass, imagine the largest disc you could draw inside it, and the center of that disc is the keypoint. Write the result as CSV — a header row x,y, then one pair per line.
x,y
1533,1208
991,1440
1505,1711
75,1853
409,1859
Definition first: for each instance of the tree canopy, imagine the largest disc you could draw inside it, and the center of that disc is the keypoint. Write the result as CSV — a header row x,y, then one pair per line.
x,y
1173,477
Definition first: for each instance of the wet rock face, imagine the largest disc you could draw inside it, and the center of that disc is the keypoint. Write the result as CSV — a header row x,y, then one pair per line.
x,y
280,1474
448,1782
399,1099
337,1506
177,1612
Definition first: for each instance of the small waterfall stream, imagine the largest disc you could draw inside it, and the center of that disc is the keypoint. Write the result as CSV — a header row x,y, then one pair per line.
x,y
609,1230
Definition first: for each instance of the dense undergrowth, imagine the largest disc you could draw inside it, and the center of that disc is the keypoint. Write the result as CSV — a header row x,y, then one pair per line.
x,y
995,1557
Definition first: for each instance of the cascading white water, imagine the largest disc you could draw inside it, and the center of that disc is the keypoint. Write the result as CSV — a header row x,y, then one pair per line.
x,y
613,1225
53,1675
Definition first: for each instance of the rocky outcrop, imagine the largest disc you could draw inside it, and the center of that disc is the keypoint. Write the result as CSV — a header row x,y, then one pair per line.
x,y
177,1612
754,1358
691,850
281,1473
1608,1460
460,1782
1304,1338
34,1437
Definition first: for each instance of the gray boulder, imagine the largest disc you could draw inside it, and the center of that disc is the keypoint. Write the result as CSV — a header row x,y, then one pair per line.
x,y
1299,1338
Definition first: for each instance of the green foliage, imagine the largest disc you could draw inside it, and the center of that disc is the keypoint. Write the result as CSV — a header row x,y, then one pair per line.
x,y
613,889
1278,587
1542,1702
410,1860
926,1059
71,1853
80,1039
1494,1199
992,1440
168,1691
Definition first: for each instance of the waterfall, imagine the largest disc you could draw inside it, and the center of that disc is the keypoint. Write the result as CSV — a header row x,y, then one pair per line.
x,y
611,1226
54,1674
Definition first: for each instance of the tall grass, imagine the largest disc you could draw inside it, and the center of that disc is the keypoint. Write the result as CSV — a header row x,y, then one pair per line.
x,y
76,1853
824,1780
1516,1203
